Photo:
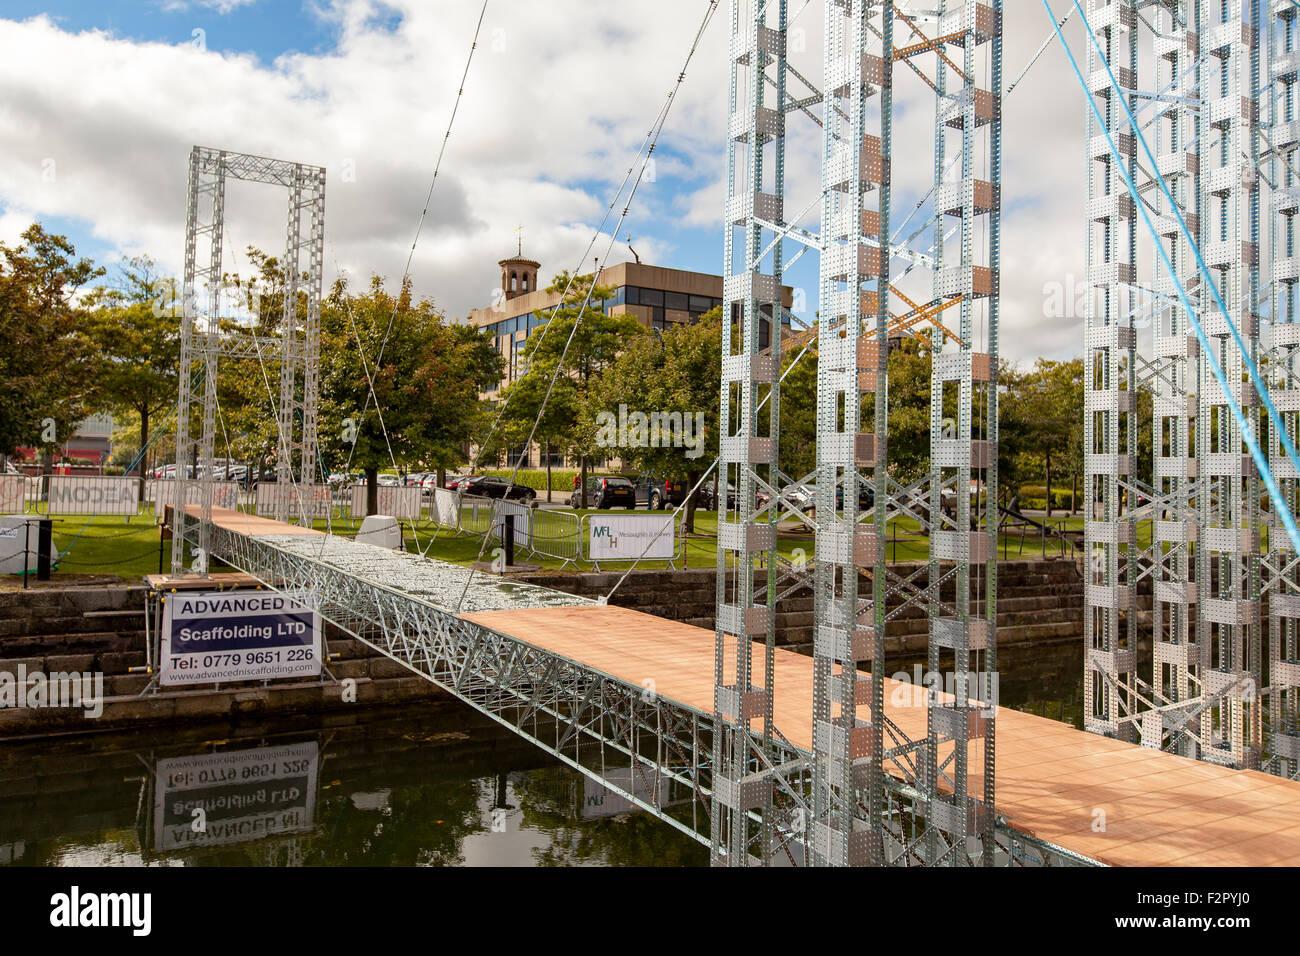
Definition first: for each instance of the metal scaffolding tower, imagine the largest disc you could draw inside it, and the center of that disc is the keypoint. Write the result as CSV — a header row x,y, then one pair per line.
x,y
849,632
1211,167
1110,388
1228,534
204,339
1282,358
1176,382
875,795
958,781
742,818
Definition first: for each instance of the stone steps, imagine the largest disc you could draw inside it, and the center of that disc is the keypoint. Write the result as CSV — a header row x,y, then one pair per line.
x,y
101,631
207,704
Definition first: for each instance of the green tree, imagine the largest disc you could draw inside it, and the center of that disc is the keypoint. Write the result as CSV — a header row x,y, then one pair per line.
x,y
798,451
45,372
425,405
677,371
1047,402
581,344
136,339
909,410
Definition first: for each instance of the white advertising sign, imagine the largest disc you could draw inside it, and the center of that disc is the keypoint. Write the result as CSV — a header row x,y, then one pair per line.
x,y
93,495
396,501
13,493
317,498
216,636
446,507
629,537
221,798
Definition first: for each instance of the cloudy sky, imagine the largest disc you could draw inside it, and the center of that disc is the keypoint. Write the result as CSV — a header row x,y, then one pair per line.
x,y
104,98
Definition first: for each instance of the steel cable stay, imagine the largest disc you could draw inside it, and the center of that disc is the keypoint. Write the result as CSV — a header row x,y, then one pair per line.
x,y
657,130
613,203
370,393
649,141
428,197
1248,433
281,438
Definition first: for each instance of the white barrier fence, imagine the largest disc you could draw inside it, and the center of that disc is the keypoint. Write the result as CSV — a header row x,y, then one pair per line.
x,y
14,493
93,495
316,500
163,492
523,516
557,534
445,510
564,535
400,502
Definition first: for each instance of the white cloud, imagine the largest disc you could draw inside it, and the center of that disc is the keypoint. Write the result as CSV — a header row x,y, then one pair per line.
x,y
546,109
219,6
558,100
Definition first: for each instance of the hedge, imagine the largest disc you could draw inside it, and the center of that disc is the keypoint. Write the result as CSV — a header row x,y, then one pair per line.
x,y
1035,496
561,478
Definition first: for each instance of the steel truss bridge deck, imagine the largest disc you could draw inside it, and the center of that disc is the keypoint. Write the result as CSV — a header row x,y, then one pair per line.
x,y
604,687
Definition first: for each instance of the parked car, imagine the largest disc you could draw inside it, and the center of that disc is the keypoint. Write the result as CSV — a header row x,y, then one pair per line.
x,y
800,497
169,471
761,498
453,481
389,481
490,486
866,497
607,491
429,484
658,493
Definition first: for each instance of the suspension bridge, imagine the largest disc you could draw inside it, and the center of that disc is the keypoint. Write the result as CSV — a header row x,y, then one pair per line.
x,y
774,758
603,688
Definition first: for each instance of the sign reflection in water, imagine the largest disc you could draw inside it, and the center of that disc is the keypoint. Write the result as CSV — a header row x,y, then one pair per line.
x,y
401,787
234,796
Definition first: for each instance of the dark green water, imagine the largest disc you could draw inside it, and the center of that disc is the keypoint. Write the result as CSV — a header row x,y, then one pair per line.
x,y
400,789
436,785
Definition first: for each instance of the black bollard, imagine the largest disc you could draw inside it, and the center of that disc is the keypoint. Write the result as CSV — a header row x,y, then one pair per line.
x,y
44,541
508,539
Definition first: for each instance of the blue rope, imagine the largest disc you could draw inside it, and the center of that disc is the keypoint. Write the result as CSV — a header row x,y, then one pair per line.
x,y
1248,433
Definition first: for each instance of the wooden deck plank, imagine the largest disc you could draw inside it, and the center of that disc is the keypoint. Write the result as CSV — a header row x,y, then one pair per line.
x,y
243,523
1052,779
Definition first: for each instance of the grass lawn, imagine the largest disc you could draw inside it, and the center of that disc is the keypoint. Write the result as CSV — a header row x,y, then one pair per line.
x,y
130,549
